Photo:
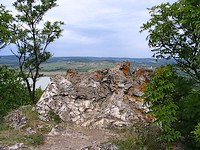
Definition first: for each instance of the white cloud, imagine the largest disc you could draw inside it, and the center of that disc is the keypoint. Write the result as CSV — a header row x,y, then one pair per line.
x,y
101,27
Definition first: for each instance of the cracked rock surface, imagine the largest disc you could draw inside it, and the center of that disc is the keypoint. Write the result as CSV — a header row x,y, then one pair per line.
x,y
97,99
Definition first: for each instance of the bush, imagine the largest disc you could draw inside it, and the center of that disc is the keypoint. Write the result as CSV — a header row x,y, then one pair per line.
x,y
38,93
12,92
161,97
189,117
35,139
196,133
54,117
174,102
140,137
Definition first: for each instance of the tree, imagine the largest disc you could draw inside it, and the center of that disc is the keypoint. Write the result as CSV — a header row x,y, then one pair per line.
x,y
160,98
174,32
12,92
174,102
5,21
32,39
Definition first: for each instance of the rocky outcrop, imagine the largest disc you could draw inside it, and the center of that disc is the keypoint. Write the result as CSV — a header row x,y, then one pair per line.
x,y
104,98
16,119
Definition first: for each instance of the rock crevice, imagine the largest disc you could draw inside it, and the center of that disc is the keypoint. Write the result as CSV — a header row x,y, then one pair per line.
x,y
103,98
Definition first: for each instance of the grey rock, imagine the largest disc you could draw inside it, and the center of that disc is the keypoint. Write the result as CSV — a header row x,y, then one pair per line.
x,y
137,92
103,146
56,130
18,146
98,99
16,119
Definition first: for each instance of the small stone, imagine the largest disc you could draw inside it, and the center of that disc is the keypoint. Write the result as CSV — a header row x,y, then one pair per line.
x,y
18,146
55,131
29,130
120,85
76,118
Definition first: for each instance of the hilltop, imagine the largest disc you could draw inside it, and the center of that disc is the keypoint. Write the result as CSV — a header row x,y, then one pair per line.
x,y
84,64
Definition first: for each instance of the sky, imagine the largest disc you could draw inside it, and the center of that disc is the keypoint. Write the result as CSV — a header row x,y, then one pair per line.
x,y
99,28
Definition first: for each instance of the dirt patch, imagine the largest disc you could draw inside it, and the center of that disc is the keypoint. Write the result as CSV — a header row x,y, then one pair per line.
x,y
76,138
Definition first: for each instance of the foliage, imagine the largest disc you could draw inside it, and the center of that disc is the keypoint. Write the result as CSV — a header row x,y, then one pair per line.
x,y
4,126
174,32
12,92
140,136
34,139
174,102
5,20
11,136
32,38
196,133
159,96
189,116
54,117
31,115
38,93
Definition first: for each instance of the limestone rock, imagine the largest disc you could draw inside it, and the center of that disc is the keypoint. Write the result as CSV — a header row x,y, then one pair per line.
x,y
16,119
104,98
55,130
17,146
103,146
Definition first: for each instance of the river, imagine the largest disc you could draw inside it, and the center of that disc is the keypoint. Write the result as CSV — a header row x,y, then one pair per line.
x,y
42,82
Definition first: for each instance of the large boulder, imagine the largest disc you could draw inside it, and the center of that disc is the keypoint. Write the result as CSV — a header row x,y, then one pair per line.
x,y
104,98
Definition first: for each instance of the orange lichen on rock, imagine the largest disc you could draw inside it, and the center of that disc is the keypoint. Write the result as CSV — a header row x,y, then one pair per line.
x,y
70,72
98,75
125,68
150,117
142,77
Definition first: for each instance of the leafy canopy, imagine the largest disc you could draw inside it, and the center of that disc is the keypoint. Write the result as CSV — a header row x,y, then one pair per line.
x,y
174,32
12,92
160,98
32,37
5,21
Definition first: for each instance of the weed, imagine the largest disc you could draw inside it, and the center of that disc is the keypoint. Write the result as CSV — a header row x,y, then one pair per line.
x,y
45,129
34,139
10,136
4,126
53,116
140,137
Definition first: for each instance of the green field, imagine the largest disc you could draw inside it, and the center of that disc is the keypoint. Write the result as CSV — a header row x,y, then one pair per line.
x,y
82,64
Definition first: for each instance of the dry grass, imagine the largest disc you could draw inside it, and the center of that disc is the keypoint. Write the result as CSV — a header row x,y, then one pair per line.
x,y
50,74
10,136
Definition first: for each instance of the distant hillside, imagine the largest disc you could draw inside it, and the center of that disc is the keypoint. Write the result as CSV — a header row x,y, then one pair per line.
x,y
10,60
84,63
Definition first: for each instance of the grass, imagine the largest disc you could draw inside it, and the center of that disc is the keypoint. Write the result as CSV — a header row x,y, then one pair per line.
x,y
34,139
62,66
10,136
138,137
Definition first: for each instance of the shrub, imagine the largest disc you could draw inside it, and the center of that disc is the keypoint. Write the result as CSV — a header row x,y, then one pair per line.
x,y
54,117
140,136
13,93
38,93
189,117
196,134
159,95
35,139
174,102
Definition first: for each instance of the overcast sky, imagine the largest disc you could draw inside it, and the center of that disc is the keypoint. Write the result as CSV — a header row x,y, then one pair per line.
x,y
101,28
